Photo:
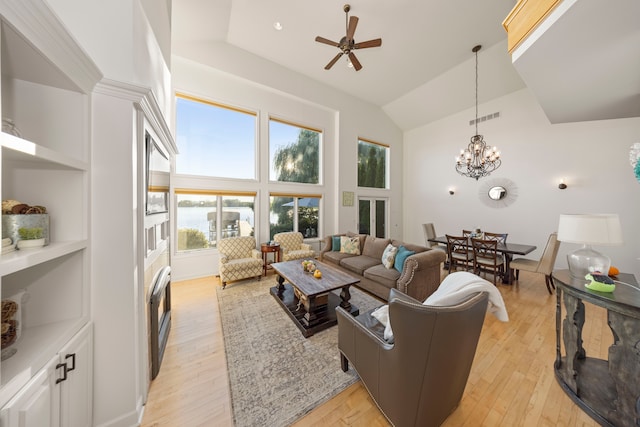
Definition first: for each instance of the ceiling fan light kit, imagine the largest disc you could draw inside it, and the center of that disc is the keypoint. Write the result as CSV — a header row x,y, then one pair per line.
x,y
347,43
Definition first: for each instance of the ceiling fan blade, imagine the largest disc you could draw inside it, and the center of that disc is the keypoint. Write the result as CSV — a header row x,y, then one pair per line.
x,y
368,43
353,23
326,41
354,61
333,61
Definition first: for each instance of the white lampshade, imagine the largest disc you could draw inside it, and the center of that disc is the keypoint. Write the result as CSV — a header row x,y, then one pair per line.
x,y
589,229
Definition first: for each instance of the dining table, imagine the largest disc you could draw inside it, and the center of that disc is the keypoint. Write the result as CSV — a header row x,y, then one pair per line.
x,y
507,249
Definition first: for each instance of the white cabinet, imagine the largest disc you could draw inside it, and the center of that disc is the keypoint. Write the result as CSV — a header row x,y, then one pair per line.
x,y
46,87
59,394
76,390
38,404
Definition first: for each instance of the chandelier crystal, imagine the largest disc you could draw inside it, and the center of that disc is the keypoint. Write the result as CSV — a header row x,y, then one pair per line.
x,y
478,159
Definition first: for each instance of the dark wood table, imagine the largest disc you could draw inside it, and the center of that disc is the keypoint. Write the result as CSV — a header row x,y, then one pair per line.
x,y
607,390
508,250
309,301
267,249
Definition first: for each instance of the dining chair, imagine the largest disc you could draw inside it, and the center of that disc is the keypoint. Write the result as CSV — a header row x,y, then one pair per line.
x,y
467,233
487,258
459,253
501,238
430,233
544,265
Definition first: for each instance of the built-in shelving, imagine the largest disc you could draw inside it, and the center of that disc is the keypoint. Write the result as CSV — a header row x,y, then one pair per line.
x,y
45,91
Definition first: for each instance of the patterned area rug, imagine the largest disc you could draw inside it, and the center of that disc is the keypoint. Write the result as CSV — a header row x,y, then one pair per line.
x,y
276,375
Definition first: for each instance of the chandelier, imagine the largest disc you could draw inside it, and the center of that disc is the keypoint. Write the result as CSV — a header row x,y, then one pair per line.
x,y
478,159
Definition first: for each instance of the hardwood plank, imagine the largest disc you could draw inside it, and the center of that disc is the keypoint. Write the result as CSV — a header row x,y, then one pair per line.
x,y
511,382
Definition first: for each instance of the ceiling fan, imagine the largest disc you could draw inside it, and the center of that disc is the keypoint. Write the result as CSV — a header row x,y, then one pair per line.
x,y
347,44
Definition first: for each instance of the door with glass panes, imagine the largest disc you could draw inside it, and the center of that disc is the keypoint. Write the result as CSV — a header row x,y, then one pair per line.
x,y
372,216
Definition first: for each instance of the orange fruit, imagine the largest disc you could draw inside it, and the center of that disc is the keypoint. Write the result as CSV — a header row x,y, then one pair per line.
x,y
613,271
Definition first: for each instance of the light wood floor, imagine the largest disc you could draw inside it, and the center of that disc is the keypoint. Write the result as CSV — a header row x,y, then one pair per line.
x,y
511,383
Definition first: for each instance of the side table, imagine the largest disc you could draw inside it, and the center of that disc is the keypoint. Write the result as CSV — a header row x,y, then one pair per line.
x,y
266,249
607,390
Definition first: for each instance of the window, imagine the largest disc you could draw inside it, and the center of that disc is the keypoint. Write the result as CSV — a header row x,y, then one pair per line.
x,y
214,140
294,213
205,217
294,153
372,164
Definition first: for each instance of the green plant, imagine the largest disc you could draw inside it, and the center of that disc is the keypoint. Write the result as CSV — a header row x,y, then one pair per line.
x,y
30,233
190,238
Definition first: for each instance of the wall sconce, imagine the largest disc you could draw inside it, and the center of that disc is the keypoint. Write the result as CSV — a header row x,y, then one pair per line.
x,y
562,185
452,191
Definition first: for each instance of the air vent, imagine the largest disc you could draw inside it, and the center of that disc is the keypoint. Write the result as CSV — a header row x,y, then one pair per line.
x,y
485,118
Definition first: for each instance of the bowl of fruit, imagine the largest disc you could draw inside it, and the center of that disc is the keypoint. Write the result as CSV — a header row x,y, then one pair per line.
x,y
308,266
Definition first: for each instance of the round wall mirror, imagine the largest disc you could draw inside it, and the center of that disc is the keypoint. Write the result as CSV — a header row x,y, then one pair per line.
x,y
497,192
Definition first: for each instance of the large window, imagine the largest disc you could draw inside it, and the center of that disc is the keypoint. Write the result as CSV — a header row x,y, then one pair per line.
x,y
203,218
294,153
294,213
215,140
372,164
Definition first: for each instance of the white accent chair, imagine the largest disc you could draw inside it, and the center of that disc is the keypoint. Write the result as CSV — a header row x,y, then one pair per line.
x,y
292,246
239,259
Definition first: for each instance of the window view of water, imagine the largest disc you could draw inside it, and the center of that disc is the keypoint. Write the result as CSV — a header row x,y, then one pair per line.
x,y
196,217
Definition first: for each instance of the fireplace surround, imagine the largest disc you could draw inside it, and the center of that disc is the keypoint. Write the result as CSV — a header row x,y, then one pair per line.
x,y
159,317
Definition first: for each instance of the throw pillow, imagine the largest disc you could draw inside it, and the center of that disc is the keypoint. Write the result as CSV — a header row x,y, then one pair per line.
x,y
350,245
335,243
401,256
389,256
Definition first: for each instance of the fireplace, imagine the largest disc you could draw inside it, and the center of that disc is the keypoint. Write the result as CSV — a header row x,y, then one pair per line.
x,y
159,317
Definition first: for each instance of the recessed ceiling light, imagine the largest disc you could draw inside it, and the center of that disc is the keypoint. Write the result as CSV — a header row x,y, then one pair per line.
x,y
277,26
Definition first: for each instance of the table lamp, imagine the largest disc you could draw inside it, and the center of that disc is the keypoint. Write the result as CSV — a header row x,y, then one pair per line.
x,y
589,229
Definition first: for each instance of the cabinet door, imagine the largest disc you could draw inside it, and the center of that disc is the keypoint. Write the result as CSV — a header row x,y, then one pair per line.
x,y
76,391
37,404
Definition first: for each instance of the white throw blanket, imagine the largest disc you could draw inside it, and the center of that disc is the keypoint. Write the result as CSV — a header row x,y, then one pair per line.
x,y
455,288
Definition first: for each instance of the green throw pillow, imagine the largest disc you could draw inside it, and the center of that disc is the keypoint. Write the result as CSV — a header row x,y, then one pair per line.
x,y
335,243
401,256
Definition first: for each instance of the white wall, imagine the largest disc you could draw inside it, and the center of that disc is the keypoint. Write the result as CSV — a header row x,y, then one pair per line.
x,y
118,37
592,157
343,119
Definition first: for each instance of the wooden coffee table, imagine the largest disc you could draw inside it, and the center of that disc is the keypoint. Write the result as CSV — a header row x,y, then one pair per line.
x,y
309,301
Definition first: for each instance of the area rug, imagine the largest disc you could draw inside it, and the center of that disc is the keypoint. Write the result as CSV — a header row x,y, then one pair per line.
x,y
276,375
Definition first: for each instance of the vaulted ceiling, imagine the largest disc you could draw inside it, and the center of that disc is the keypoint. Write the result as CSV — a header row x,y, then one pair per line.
x,y
424,69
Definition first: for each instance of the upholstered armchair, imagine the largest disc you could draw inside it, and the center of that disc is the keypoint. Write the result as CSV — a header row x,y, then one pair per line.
x,y
239,259
292,246
417,380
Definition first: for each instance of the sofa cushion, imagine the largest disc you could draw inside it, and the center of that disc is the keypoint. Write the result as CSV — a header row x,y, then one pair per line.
x,y
385,276
358,264
401,256
374,246
389,256
350,245
335,257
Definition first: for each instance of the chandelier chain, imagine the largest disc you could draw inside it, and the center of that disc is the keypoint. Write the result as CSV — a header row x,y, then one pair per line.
x,y
476,92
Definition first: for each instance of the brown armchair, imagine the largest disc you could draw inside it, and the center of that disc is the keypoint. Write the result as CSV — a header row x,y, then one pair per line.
x,y
417,380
